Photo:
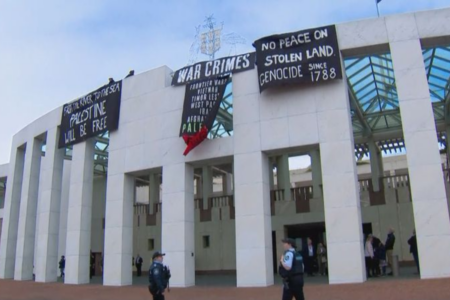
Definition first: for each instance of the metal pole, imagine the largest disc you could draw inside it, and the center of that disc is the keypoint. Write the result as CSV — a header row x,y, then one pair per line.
x,y
378,11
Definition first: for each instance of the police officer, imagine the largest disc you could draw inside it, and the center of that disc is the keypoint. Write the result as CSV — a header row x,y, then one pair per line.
x,y
291,269
158,276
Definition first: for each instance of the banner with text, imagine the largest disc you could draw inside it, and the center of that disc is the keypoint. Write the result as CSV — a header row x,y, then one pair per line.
x,y
304,56
90,115
201,103
214,68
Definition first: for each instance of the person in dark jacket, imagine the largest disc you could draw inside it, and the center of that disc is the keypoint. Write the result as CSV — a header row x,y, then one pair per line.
x,y
389,245
62,265
380,254
309,253
158,276
138,264
101,263
413,250
92,265
376,242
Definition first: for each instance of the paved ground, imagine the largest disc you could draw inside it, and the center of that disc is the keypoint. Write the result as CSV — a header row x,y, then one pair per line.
x,y
408,287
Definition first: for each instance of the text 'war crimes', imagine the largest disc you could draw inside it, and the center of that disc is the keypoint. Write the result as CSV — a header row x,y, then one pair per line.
x,y
214,68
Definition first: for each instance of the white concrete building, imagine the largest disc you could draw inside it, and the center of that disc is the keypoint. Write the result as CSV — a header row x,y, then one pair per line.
x,y
222,204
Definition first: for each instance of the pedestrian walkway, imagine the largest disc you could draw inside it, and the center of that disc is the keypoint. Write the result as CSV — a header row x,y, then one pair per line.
x,y
229,280
220,288
412,289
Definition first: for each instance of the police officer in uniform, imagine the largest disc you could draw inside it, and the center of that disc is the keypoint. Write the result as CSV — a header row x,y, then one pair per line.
x,y
158,276
291,269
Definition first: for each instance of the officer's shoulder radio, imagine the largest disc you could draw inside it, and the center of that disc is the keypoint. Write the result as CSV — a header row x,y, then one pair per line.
x,y
166,277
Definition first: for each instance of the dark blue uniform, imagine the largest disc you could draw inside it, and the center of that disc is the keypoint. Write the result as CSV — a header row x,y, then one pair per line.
x,y
293,278
157,278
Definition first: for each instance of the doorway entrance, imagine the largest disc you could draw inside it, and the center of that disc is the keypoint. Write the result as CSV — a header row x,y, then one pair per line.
x,y
300,232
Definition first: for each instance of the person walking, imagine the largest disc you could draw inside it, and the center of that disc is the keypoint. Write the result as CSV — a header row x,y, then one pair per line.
x,y
158,276
62,266
138,264
414,250
389,246
291,268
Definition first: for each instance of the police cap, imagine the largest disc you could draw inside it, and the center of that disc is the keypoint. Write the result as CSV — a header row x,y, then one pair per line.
x,y
157,254
289,241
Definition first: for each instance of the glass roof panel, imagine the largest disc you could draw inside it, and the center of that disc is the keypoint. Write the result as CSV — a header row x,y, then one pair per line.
x,y
372,86
437,66
223,124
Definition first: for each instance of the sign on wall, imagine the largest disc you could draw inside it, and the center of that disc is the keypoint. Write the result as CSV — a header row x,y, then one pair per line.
x,y
90,115
201,103
213,68
304,56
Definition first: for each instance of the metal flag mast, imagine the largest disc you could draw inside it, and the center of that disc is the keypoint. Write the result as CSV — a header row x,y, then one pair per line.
x,y
210,41
376,3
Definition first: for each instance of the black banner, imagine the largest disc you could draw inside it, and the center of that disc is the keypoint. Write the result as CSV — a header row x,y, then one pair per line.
x,y
304,56
201,103
211,69
90,115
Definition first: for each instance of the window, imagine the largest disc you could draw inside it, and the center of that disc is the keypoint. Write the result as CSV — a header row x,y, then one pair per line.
x,y
206,241
151,244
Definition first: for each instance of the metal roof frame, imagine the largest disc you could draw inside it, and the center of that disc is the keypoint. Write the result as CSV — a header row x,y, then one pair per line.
x,y
374,99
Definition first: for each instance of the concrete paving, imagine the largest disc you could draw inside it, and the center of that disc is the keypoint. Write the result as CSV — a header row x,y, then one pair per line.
x,y
408,289
222,287
229,280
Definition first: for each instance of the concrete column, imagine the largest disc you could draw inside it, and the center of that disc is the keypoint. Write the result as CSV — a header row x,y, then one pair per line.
x,y
447,140
424,164
119,230
316,169
11,213
271,179
178,236
376,165
78,240
207,184
252,203
254,260
227,181
64,208
279,235
49,210
27,216
153,190
283,176
340,189
199,187
234,185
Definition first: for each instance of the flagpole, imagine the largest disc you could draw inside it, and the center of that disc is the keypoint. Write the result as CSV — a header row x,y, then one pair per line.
x,y
378,11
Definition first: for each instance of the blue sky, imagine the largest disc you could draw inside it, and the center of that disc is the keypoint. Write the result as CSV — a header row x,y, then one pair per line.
x,y
54,51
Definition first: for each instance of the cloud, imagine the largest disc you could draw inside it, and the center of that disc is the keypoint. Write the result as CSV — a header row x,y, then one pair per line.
x,y
53,51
